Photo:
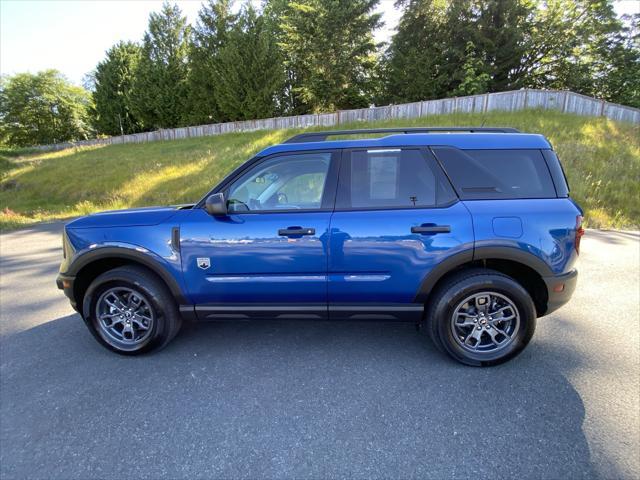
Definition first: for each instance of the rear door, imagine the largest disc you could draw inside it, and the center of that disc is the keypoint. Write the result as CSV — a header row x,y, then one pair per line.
x,y
396,218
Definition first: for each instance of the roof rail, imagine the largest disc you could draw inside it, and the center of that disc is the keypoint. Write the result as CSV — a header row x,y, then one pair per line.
x,y
322,136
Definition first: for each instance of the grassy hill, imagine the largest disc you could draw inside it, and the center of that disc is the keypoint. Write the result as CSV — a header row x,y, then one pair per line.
x,y
601,159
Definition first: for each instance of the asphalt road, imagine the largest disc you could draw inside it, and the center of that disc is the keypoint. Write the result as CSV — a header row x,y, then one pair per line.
x,y
312,400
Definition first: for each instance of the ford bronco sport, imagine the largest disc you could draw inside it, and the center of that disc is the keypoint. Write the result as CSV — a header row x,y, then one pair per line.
x,y
469,232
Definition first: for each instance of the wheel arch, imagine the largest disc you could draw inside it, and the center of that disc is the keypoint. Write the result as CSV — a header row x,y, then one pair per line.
x,y
525,268
89,265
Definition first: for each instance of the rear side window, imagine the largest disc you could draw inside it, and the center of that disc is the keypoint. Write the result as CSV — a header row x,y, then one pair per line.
x,y
557,173
392,178
496,174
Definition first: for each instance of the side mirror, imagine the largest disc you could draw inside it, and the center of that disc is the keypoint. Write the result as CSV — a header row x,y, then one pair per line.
x,y
216,205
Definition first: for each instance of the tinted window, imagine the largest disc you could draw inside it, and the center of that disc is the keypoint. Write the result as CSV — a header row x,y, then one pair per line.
x,y
288,182
390,178
555,167
495,174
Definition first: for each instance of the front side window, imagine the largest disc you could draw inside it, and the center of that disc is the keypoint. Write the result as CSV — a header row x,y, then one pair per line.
x,y
287,182
390,178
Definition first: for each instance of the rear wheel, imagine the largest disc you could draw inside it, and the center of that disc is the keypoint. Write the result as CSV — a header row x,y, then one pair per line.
x,y
130,311
481,317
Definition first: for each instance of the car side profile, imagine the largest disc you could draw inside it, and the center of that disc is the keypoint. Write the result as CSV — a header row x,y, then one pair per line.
x,y
468,232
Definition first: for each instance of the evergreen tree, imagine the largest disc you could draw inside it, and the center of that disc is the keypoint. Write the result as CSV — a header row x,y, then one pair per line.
x,y
451,48
415,64
113,82
160,90
249,75
329,52
273,14
500,33
215,20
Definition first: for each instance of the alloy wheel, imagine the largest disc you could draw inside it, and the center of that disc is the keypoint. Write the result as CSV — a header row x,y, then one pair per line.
x,y
124,316
485,322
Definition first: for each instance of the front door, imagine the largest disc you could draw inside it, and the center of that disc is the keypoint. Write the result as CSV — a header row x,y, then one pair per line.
x,y
396,218
268,256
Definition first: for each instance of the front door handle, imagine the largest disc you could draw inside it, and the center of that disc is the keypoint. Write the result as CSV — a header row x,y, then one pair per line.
x,y
431,229
296,231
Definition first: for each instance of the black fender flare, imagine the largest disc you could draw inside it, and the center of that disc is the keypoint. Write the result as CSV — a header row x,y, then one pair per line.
x,y
134,254
480,253
528,259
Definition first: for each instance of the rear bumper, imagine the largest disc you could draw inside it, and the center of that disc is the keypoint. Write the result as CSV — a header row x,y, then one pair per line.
x,y
560,288
65,283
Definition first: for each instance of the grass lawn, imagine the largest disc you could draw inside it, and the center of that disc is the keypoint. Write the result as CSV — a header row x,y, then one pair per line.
x,y
601,159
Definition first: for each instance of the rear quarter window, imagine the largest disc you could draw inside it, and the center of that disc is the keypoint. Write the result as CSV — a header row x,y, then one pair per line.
x,y
497,174
557,173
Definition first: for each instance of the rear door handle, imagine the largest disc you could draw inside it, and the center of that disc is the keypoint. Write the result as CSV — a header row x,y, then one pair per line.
x,y
431,229
296,231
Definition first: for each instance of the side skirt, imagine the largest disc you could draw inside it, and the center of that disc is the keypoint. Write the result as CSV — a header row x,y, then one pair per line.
x,y
400,312
225,312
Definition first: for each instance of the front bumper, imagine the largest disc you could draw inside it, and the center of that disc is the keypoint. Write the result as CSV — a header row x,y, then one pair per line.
x,y
65,283
560,288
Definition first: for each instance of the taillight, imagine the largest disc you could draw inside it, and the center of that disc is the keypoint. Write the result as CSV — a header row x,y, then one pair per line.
x,y
579,232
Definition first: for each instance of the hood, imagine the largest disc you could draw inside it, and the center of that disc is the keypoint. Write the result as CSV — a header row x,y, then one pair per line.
x,y
132,217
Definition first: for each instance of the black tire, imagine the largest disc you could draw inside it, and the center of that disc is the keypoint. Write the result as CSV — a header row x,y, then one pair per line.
x,y
157,297
462,285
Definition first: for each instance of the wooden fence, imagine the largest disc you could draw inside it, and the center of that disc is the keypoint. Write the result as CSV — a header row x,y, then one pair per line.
x,y
512,101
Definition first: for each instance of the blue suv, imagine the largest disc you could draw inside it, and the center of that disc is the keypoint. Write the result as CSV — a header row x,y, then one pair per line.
x,y
468,232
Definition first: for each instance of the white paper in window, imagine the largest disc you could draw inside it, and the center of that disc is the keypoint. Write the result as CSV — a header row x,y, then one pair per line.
x,y
383,176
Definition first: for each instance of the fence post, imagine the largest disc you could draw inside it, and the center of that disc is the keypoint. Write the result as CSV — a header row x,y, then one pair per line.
x,y
566,99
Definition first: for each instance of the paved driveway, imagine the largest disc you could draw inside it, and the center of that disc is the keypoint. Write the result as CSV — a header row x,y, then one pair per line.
x,y
314,399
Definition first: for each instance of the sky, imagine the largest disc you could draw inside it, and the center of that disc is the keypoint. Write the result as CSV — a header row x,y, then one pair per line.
x,y
73,35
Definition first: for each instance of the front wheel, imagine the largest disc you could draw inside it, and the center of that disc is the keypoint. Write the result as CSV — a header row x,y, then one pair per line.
x,y
481,317
130,311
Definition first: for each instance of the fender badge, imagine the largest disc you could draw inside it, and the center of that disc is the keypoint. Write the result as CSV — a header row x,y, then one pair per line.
x,y
203,262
